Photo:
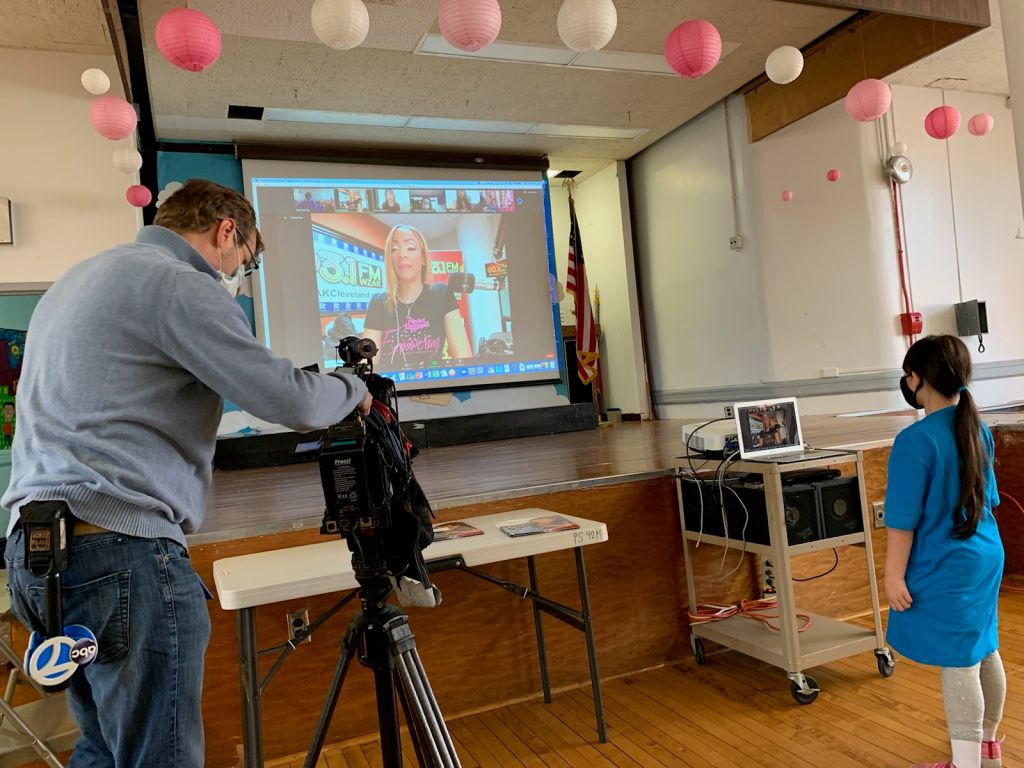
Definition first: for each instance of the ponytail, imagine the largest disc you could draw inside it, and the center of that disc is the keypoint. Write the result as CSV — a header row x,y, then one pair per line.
x,y
945,363
973,460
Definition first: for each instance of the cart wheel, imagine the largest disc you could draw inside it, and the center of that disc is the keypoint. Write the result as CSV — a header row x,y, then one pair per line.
x,y
800,696
886,666
698,651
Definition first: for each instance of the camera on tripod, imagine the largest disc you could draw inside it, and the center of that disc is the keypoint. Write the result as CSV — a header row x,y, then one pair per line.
x,y
372,497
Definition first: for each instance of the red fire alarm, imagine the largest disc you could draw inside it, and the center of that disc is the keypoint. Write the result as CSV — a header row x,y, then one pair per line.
x,y
910,323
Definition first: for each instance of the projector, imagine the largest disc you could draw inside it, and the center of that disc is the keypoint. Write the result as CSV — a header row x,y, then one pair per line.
x,y
713,438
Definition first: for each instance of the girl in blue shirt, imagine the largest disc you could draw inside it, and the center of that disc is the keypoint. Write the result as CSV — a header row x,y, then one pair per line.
x,y
945,559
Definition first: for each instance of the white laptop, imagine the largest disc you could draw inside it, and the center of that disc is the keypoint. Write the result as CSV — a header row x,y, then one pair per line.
x,y
770,429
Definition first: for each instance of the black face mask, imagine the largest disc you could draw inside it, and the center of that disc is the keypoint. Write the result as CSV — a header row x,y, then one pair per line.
x,y
908,394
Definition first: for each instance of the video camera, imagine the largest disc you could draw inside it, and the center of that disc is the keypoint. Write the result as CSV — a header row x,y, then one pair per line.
x,y
372,497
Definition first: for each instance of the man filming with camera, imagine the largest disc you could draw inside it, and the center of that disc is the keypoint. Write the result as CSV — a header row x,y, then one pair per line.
x,y
131,354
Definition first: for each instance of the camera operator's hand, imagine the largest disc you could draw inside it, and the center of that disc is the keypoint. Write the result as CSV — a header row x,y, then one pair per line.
x,y
365,406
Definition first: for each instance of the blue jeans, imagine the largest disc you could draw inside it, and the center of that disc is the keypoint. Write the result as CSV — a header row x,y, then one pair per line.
x,y
138,703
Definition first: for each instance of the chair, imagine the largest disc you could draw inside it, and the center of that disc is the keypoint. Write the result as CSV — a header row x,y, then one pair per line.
x,y
36,730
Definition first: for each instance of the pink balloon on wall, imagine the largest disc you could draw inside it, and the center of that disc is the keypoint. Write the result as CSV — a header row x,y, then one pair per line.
x,y
469,25
138,195
981,124
868,100
693,48
188,39
942,122
786,195
112,117
833,175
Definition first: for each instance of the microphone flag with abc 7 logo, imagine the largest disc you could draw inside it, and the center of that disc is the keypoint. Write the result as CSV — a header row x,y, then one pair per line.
x,y
52,661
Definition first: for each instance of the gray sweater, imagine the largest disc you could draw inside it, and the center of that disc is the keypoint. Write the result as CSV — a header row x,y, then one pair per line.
x,y
128,357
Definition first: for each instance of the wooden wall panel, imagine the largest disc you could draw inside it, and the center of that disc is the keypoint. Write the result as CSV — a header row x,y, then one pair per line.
x,y
873,46
974,12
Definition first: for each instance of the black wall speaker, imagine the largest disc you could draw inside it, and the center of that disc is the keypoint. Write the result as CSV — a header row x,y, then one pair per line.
x,y
841,512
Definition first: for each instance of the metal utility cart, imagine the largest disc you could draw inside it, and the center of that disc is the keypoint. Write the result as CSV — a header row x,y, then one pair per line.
x,y
826,639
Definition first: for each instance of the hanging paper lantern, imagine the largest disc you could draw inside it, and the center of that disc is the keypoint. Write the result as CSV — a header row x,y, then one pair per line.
x,y
470,25
127,160
899,148
981,124
868,100
786,195
112,117
942,122
340,24
833,175
188,39
693,48
784,65
138,195
95,81
587,25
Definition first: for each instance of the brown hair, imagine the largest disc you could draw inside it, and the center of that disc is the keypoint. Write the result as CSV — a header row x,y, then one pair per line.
x,y
200,204
389,269
945,363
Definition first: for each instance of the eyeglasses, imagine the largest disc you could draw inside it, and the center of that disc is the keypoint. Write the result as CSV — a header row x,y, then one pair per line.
x,y
254,257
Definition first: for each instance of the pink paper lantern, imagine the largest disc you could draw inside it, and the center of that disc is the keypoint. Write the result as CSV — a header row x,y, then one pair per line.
x,y
693,48
786,195
138,196
833,175
112,117
868,100
188,39
470,25
942,122
981,124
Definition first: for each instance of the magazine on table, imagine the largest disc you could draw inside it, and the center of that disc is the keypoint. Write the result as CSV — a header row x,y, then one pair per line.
x,y
542,524
454,530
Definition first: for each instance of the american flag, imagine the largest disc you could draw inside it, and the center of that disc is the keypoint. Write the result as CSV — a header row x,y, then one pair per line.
x,y
576,284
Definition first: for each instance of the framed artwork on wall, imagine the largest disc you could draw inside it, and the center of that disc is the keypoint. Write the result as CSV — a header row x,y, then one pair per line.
x,y
6,227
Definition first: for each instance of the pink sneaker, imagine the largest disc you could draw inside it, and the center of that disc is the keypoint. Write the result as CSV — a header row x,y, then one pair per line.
x,y
992,754
933,765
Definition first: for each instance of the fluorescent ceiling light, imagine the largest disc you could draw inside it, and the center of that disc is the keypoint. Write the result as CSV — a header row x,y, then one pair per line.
x,y
482,126
469,125
339,118
552,172
433,44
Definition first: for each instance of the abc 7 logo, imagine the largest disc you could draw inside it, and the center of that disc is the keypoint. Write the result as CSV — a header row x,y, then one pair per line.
x,y
56,659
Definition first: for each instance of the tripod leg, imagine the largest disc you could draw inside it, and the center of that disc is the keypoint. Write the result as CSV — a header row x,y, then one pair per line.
x,y
415,728
387,717
425,708
348,645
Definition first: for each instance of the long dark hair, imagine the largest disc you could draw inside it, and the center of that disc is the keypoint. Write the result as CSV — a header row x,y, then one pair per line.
x,y
945,363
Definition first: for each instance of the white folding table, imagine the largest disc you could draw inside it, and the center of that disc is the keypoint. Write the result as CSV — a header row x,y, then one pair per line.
x,y
248,581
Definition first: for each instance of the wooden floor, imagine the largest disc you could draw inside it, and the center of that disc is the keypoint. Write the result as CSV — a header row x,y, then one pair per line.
x,y
732,713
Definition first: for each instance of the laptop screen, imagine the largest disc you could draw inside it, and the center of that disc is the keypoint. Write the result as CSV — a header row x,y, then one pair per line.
x,y
768,428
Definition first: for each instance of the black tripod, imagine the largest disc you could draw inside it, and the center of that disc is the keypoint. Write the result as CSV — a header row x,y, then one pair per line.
x,y
381,636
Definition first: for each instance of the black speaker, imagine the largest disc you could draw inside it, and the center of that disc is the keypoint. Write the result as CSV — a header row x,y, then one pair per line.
x,y
841,512
800,507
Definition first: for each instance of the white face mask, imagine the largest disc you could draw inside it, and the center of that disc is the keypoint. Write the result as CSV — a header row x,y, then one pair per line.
x,y
232,282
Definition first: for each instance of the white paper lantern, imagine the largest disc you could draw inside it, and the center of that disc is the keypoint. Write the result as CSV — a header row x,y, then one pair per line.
x,y
784,65
587,25
340,24
127,160
95,81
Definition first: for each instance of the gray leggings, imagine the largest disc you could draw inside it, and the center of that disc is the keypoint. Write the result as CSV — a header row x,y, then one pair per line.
x,y
974,697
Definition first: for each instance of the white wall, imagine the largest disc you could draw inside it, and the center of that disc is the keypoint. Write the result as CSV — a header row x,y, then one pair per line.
x,y
68,199
816,286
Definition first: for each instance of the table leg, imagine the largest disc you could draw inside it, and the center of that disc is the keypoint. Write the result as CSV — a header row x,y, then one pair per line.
x,y
541,650
588,629
249,670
